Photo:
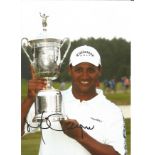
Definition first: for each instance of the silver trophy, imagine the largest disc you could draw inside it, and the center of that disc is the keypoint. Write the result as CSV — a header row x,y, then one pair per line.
x,y
45,56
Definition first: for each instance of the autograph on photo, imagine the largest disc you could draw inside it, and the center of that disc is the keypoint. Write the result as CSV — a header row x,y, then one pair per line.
x,y
48,124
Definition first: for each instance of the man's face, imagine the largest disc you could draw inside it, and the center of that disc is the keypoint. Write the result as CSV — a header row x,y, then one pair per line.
x,y
84,77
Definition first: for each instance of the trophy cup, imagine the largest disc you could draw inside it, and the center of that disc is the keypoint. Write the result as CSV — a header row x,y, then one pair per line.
x,y
45,57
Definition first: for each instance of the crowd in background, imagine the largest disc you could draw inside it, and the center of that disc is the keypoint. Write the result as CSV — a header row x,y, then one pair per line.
x,y
110,85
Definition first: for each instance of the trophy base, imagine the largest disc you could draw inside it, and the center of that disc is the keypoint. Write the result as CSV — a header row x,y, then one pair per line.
x,y
51,117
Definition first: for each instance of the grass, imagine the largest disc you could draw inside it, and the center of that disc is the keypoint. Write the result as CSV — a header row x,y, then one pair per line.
x,y
128,135
119,98
30,142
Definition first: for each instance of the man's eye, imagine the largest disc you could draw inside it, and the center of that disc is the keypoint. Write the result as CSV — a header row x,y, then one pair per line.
x,y
91,70
77,69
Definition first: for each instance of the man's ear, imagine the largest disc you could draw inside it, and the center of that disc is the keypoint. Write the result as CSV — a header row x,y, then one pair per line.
x,y
100,70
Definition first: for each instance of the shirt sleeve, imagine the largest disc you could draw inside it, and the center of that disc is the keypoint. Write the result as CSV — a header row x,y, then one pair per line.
x,y
116,134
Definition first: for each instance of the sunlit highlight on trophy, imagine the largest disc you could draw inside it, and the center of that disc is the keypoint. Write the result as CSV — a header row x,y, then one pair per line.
x,y
46,60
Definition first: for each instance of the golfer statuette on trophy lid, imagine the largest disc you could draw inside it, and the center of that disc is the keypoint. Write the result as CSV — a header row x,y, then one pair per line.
x,y
46,61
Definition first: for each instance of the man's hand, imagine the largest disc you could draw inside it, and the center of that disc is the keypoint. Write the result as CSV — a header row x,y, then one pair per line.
x,y
72,129
34,85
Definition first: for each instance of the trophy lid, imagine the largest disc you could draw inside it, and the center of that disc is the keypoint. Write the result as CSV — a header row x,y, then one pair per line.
x,y
44,39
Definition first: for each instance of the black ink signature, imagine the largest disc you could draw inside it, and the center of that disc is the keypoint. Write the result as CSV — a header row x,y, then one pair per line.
x,y
48,123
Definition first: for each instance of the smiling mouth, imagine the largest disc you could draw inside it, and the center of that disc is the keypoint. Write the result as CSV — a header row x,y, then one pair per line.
x,y
84,82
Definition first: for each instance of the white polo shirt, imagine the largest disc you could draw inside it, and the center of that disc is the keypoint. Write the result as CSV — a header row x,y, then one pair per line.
x,y
102,119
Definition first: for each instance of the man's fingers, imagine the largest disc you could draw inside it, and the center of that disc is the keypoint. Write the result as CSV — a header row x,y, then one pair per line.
x,y
36,84
32,72
69,124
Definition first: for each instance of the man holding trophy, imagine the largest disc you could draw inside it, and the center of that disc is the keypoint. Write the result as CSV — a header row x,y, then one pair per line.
x,y
79,120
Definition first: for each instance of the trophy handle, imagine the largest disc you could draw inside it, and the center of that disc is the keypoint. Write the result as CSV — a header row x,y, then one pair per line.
x,y
69,45
25,43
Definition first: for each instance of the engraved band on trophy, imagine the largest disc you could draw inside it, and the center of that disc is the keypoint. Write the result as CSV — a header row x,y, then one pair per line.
x,y
45,58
